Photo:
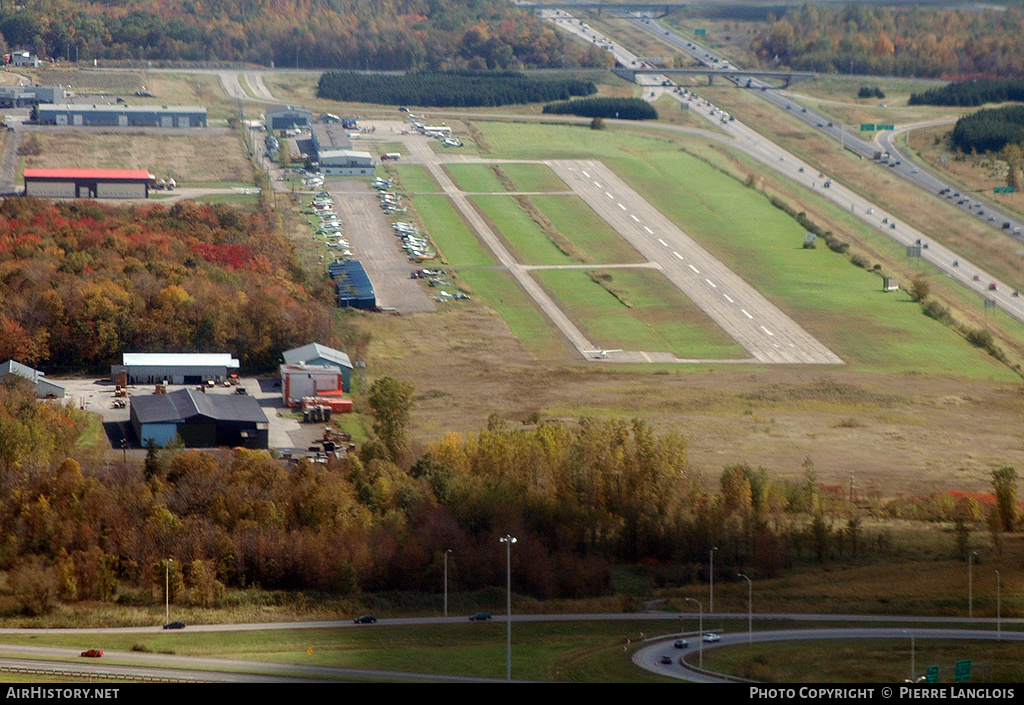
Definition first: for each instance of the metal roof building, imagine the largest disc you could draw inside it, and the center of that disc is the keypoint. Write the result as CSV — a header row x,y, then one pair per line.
x,y
88,183
21,96
200,420
45,389
175,368
287,117
122,115
352,285
319,355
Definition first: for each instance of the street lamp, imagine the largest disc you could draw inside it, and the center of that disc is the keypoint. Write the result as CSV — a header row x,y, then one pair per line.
x,y
750,608
508,541
711,602
913,674
447,551
970,583
700,630
167,591
999,620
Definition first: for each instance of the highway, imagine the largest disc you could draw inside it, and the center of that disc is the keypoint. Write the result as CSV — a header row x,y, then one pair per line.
x,y
955,266
685,662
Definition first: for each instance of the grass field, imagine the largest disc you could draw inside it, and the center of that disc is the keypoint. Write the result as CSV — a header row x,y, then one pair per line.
x,y
415,179
190,159
499,291
587,230
450,232
524,238
661,319
533,177
475,178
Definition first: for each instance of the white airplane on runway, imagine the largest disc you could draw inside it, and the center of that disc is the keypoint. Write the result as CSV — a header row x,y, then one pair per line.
x,y
600,353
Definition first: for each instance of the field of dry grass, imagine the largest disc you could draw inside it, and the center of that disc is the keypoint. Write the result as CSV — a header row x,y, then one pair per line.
x,y
895,433
207,158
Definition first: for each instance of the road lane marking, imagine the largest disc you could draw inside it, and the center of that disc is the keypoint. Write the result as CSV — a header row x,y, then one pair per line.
x,y
767,331
746,314
608,195
634,217
678,255
651,232
622,206
711,283
585,174
695,269
662,242
728,299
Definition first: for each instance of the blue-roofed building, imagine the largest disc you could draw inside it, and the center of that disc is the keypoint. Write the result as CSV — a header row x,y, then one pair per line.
x,y
353,288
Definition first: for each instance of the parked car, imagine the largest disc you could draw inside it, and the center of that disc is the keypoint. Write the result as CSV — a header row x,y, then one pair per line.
x,y
480,616
366,619
174,625
92,653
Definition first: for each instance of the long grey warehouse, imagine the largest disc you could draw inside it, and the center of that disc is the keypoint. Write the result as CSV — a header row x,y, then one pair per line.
x,y
88,183
122,115
175,368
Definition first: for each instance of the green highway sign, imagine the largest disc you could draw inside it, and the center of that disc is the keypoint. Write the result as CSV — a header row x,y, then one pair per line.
x,y
886,127
700,32
931,675
1003,189
962,671
867,127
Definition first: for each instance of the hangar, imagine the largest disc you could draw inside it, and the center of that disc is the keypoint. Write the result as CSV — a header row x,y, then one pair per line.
x,y
122,115
175,368
335,154
88,183
200,420
318,355
287,117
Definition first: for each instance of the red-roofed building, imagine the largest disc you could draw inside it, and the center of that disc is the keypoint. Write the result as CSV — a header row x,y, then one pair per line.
x,y
88,183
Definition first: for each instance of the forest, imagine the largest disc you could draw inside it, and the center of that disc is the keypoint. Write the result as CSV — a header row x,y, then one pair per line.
x,y
449,88
343,34
83,283
972,93
897,41
579,498
623,108
989,130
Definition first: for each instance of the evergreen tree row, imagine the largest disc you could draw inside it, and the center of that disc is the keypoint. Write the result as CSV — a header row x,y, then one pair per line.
x,y
622,108
971,93
449,89
989,130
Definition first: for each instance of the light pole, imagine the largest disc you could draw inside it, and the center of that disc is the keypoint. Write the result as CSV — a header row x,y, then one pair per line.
x,y
167,590
508,541
913,674
750,608
700,630
970,584
999,620
447,551
711,602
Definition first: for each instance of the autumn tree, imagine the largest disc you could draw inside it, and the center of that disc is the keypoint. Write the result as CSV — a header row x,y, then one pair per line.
x,y
390,403
1004,485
